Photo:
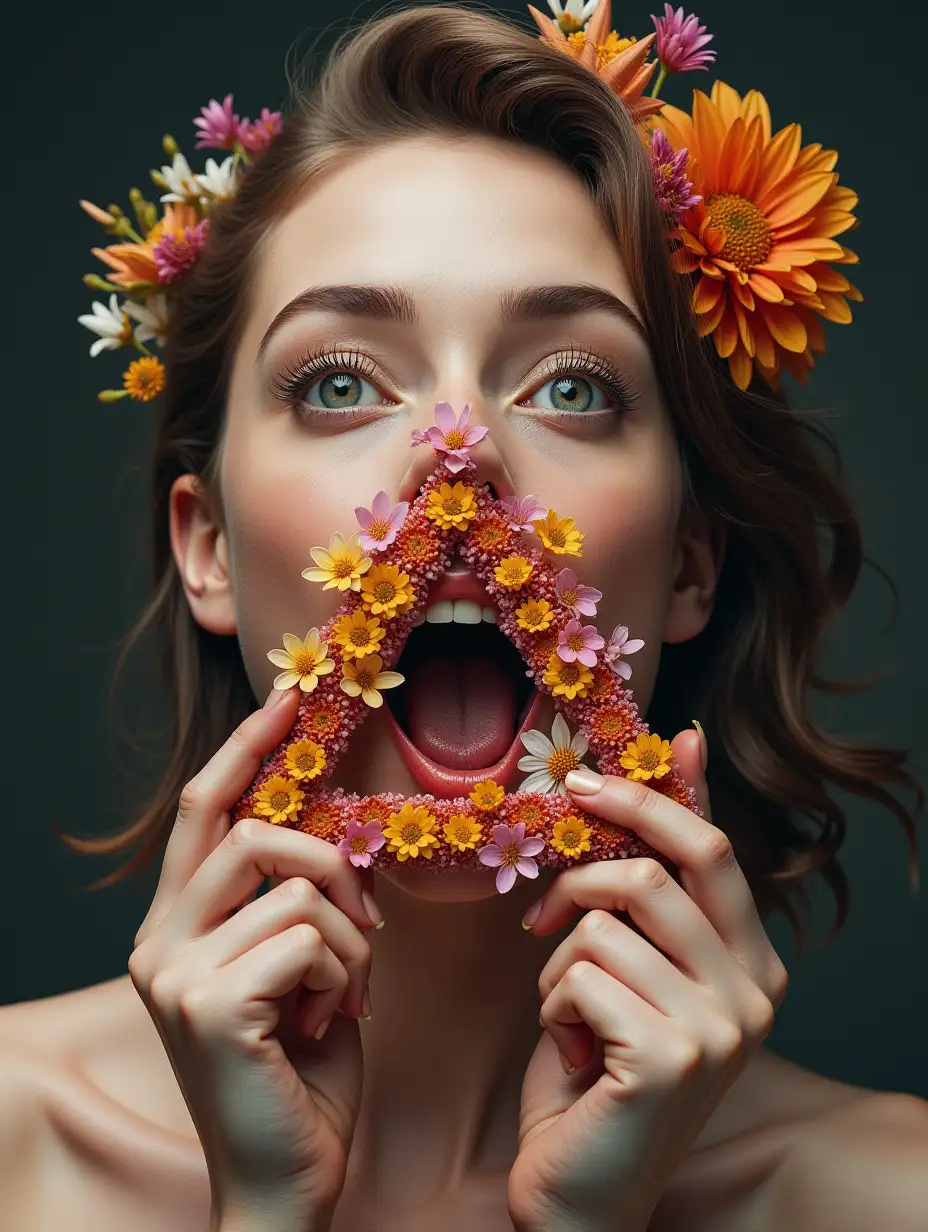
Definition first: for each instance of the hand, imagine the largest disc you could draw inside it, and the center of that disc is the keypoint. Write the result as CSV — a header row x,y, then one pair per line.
x,y
658,1023
239,988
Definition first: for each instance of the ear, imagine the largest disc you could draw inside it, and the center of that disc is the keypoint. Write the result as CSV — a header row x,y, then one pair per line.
x,y
201,554
700,554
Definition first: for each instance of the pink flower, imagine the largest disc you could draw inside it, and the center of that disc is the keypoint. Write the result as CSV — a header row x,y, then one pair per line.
x,y
619,645
452,436
380,524
219,126
579,643
511,853
673,190
419,437
679,39
257,135
360,841
175,255
580,600
522,511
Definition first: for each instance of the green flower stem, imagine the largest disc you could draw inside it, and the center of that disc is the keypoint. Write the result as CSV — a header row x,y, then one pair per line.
x,y
661,77
140,346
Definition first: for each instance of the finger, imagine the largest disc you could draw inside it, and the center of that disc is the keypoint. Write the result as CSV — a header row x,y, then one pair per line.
x,y
203,811
241,998
688,754
294,901
252,851
709,871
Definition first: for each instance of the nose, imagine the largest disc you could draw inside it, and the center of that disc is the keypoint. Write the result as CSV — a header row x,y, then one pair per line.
x,y
491,465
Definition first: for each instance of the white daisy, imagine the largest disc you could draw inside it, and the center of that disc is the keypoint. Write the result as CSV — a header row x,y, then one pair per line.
x,y
218,180
550,760
574,14
111,324
152,316
181,181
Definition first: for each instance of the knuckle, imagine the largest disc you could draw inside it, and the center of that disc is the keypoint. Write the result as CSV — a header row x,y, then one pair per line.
x,y
165,991
727,1040
577,973
715,849
302,891
641,797
648,874
683,1054
190,801
239,738
245,833
777,980
760,1017
594,922
194,1005
308,939
140,971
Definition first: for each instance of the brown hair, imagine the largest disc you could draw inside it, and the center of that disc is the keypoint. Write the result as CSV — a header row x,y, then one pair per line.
x,y
769,473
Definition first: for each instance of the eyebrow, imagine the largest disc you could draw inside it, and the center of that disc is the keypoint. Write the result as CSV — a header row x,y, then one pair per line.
x,y
390,303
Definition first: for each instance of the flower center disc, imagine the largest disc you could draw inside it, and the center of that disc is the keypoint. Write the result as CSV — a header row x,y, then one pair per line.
x,y
561,762
748,238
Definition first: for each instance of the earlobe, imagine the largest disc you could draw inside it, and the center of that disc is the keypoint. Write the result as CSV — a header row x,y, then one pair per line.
x,y
201,555
700,557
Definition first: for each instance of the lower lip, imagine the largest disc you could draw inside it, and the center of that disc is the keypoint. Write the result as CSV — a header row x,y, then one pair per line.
x,y
447,784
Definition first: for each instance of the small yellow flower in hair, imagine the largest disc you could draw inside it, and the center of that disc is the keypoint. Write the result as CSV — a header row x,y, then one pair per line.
x,y
385,590
571,837
409,832
534,615
304,660
305,759
278,800
647,757
462,832
559,535
513,572
567,679
358,634
144,378
451,508
340,565
487,795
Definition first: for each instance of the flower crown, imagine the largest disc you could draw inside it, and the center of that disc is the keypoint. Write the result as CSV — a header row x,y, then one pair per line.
x,y
752,216
385,571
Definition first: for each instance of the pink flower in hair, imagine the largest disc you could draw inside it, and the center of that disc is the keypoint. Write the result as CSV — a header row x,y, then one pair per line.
x,y
175,255
579,643
453,436
619,645
360,841
511,852
257,135
381,523
679,39
578,599
522,511
673,190
219,126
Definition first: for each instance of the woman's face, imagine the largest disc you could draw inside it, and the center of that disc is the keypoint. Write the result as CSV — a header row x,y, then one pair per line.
x,y
453,227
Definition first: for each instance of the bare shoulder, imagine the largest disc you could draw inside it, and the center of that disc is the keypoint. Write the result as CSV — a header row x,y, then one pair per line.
x,y
860,1165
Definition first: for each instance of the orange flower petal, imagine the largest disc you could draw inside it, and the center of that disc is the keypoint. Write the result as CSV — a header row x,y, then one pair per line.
x,y
744,295
728,101
683,262
805,251
726,333
754,104
765,287
826,278
836,308
741,367
795,198
779,157
764,349
711,129
707,294
744,328
708,321
785,326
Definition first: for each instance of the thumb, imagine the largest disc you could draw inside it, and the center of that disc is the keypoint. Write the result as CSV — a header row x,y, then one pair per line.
x,y
689,752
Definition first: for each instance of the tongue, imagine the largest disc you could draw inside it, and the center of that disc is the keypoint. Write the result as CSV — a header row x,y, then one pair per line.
x,y
461,712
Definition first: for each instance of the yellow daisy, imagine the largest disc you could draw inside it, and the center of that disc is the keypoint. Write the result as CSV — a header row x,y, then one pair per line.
x,y
462,832
487,795
357,634
303,661
571,837
647,757
534,615
569,679
384,589
341,564
278,800
559,535
513,572
409,832
451,508
365,679
305,759
144,378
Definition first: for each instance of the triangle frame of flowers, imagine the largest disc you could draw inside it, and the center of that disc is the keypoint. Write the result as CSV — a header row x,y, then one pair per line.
x,y
407,549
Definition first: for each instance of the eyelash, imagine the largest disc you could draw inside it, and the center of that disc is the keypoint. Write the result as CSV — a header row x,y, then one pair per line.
x,y
289,386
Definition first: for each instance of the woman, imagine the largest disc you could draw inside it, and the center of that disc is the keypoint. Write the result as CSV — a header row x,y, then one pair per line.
x,y
447,167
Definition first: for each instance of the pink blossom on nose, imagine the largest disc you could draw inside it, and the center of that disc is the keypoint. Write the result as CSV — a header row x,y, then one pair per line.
x,y
453,436
511,852
578,599
679,39
380,524
360,841
576,642
619,645
522,511
218,125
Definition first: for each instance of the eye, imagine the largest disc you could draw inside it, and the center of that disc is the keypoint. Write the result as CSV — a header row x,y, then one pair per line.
x,y
339,390
323,385
572,392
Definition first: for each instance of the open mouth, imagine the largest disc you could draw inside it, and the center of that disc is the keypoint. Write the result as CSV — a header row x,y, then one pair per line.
x,y
466,699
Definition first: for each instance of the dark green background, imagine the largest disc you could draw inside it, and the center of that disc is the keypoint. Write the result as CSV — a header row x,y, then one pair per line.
x,y
91,94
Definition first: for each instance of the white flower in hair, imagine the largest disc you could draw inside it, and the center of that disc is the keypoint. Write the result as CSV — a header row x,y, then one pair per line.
x,y
218,181
181,181
550,761
152,317
110,323
574,14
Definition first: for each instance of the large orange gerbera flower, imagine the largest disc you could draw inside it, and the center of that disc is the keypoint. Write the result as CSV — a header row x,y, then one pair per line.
x,y
625,69
762,239
136,262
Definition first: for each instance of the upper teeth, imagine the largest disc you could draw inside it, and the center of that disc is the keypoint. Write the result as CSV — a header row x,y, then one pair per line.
x,y
457,611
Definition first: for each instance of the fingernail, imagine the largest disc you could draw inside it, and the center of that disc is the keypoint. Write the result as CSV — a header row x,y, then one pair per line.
x,y
703,743
321,1029
366,1005
373,911
565,1064
584,781
275,697
531,915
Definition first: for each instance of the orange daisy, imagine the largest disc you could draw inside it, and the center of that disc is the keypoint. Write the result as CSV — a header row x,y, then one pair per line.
x,y
762,239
